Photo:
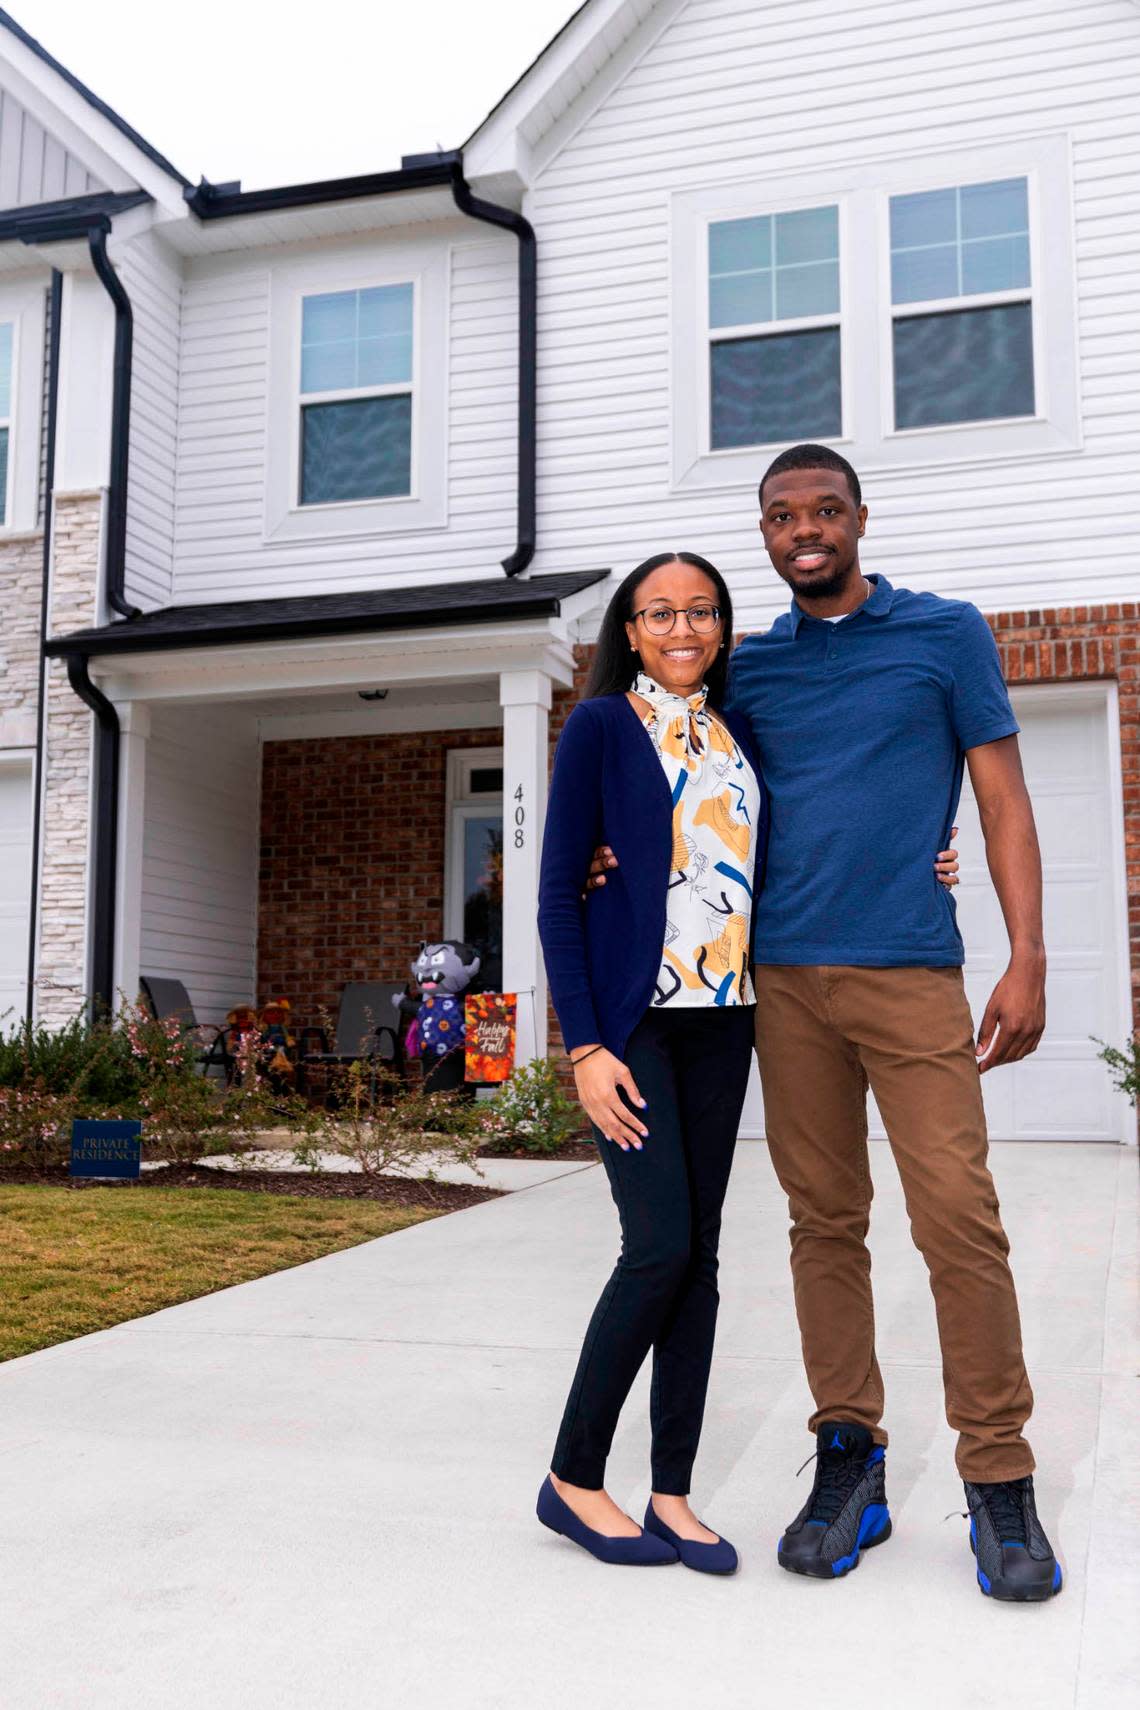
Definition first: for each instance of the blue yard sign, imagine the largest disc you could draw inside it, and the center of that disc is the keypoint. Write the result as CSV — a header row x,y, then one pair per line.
x,y
106,1149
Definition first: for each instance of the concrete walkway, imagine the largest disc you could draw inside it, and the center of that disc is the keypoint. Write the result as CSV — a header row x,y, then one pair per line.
x,y
317,1490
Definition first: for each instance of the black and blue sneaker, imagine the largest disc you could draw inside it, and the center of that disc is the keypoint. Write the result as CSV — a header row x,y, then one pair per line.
x,y
846,1512
1015,1559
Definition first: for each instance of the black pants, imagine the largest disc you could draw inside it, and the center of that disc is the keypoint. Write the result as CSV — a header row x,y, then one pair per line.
x,y
691,1065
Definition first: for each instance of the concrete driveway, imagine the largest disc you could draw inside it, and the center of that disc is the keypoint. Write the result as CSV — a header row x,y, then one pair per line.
x,y
317,1490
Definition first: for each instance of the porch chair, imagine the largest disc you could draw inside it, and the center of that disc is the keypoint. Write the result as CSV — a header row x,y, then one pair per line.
x,y
367,1027
169,999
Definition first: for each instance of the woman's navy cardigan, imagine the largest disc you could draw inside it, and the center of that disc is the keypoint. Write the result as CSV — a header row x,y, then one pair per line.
x,y
603,954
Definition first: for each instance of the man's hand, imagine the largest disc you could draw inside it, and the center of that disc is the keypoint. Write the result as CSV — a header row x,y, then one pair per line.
x,y
604,857
600,1077
1015,1013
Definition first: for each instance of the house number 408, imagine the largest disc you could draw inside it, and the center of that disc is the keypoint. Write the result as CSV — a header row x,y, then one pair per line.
x,y
520,819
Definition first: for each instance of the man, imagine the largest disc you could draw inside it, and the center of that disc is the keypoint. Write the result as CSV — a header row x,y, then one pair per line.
x,y
865,701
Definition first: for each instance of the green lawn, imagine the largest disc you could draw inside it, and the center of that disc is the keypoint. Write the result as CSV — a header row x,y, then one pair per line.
x,y
72,1262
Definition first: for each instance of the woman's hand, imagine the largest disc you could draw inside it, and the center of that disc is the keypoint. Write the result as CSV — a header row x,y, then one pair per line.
x,y
946,864
598,1075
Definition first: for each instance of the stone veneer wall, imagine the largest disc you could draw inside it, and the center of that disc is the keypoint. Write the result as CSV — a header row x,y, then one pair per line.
x,y
21,583
61,980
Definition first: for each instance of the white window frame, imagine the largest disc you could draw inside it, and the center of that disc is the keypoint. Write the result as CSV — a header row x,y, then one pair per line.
x,y
766,329
862,194
462,805
426,267
24,308
1030,294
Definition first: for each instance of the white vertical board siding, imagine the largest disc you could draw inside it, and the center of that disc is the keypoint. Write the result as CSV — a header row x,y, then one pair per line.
x,y
34,167
732,90
152,277
200,855
221,552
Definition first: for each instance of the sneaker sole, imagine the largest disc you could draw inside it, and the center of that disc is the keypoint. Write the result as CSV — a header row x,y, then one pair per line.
x,y
1003,1592
845,1564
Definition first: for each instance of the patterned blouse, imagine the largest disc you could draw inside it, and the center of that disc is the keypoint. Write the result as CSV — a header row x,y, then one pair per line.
x,y
716,810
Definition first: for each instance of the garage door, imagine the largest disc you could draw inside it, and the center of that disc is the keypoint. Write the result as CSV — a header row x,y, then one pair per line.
x,y
15,886
1062,1092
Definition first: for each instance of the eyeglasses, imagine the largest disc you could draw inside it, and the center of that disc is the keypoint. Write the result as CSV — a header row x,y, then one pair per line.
x,y
659,620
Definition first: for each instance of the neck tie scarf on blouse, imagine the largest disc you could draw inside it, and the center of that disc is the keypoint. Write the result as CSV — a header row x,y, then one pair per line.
x,y
681,723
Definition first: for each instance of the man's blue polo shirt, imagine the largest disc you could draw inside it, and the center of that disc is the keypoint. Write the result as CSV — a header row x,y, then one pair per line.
x,y
862,727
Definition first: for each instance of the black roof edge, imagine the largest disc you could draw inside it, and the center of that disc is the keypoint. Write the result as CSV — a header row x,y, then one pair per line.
x,y
263,625
120,124
419,172
72,217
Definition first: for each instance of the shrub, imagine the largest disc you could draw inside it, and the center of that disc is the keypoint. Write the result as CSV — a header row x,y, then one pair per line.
x,y
90,1060
532,1112
132,1067
385,1126
1124,1066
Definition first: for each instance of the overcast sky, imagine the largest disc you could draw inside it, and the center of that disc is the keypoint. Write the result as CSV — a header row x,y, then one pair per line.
x,y
283,92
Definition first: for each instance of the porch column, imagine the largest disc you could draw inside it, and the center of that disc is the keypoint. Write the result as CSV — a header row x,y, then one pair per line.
x,y
525,699
134,727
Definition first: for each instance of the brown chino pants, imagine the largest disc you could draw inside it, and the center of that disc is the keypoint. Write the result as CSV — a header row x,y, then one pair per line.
x,y
823,1035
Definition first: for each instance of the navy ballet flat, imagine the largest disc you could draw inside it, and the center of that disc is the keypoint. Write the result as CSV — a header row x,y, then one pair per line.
x,y
702,1558
642,1551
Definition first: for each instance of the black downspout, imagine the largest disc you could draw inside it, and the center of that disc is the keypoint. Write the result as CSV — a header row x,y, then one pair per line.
x,y
106,796
54,312
120,425
469,204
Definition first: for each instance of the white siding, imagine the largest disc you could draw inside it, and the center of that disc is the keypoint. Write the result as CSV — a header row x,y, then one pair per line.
x,y
153,280
34,167
733,89
220,548
200,855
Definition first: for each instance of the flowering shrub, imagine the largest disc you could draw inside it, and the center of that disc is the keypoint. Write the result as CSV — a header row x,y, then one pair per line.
x,y
532,1112
387,1127
35,1126
132,1067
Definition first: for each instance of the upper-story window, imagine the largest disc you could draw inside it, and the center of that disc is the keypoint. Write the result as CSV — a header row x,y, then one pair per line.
x,y
917,310
357,422
5,413
22,324
357,364
963,255
774,328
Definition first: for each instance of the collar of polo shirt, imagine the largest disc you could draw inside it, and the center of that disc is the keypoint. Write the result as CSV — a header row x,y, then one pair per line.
x,y
877,604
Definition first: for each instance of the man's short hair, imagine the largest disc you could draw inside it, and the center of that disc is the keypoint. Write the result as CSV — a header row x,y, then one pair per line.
x,y
811,457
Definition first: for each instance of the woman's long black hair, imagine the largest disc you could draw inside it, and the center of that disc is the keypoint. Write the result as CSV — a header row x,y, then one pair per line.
x,y
615,666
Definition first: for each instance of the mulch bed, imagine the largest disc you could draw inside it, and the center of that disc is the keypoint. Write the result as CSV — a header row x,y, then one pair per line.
x,y
573,1152
390,1190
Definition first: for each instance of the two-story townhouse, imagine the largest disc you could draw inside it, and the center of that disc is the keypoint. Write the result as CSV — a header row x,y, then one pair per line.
x,y
296,716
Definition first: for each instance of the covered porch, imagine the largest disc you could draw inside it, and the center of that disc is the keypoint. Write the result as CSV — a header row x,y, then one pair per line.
x,y
307,788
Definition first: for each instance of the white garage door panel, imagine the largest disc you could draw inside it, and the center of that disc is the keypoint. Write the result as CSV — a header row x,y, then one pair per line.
x,y
15,886
1062,1092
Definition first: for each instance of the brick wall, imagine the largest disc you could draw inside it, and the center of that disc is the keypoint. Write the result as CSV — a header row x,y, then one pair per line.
x,y
1076,644
352,860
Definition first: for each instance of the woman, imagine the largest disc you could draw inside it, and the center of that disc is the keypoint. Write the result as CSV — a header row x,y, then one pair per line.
x,y
650,979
